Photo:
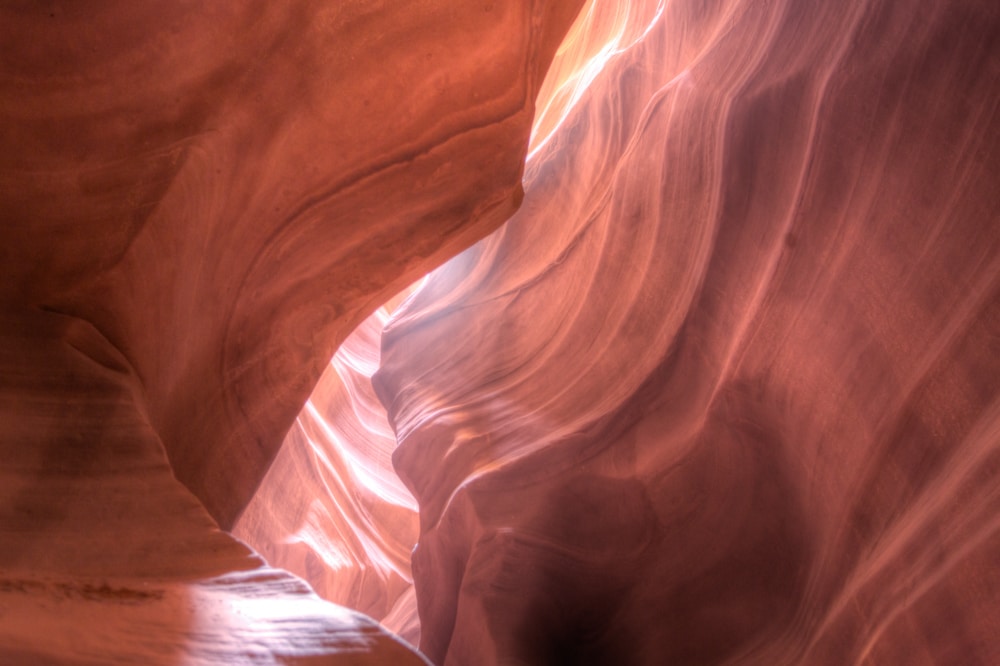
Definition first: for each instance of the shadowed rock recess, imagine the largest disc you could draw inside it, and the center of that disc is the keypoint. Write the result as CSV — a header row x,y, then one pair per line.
x,y
724,387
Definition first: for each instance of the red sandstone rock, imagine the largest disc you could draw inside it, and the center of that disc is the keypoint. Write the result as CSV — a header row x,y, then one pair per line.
x,y
227,191
331,509
726,389
106,557
198,202
723,391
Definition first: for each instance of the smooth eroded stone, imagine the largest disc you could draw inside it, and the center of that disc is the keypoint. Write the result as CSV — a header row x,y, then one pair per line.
x,y
726,388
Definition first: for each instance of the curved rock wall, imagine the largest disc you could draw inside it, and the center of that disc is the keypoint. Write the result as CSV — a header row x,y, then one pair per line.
x,y
106,558
330,508
198,203
725,388
227,191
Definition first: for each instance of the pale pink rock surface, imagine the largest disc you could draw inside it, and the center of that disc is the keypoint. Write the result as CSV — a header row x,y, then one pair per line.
x,y
331,509
723,391
726,388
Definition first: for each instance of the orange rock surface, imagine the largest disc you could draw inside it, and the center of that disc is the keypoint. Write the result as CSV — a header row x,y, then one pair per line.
x,y
724,389
331,509
198,203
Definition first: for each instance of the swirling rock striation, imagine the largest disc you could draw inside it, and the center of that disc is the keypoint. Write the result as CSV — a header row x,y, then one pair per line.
x,y
726,388
331,509
227,191
198,202
106,557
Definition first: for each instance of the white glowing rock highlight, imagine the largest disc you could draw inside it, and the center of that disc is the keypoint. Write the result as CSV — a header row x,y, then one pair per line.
x,y
331,509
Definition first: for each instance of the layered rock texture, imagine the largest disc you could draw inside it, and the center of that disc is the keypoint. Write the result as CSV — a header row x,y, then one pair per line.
x,y
724,389
331,509
106,557
198,203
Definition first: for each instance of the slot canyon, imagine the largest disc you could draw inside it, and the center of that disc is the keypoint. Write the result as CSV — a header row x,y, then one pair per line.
x,y
662,332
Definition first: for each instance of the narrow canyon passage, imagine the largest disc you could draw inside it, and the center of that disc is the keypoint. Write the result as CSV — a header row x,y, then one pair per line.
x,y
729,413
705,368
331,509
